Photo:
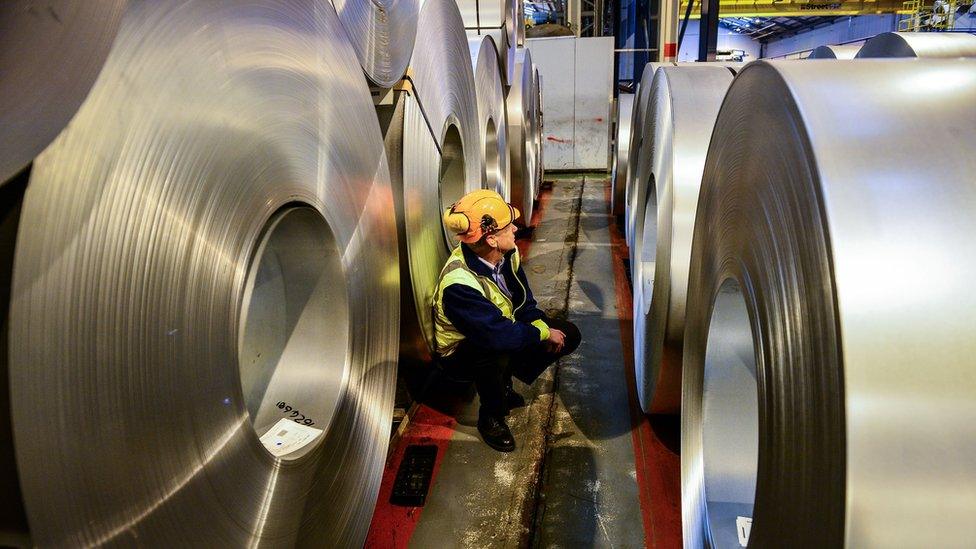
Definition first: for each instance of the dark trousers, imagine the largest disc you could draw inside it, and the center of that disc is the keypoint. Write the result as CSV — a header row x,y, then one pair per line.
x,y
492,371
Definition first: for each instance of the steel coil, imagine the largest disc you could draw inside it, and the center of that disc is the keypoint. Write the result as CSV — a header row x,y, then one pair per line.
x,y
514,33
919,44
618,177
684,103
828,389
834,52
648,152
434,149
382,33
520,23
52,52
639,157
499,20
203,262
492,122
641,149
538,133
519,102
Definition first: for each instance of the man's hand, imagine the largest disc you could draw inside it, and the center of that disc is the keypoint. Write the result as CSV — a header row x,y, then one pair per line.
x,y
557,339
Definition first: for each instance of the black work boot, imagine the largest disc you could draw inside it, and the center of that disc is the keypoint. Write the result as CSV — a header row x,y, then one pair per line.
x,y
495,433
513,400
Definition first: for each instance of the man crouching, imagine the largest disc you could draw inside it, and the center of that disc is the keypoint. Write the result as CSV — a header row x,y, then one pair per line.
x,y
486,321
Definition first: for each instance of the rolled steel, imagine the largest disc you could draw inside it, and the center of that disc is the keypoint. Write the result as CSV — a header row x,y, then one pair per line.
x,y
382,32
834,52
203,262
638,162
519,102
625,116
492,122
500,21
434,147
828,393
642,167
919,44
683,105
52,52
539,133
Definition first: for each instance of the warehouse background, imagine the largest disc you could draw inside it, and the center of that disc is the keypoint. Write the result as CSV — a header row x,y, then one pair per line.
x,y
221,233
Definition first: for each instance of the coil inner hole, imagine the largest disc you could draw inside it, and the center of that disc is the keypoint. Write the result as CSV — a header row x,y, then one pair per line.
x,y
451,178
730,418
493,173
293,348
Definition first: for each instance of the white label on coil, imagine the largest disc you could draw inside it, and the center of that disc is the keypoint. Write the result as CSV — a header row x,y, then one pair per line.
x,y
742,526
287,436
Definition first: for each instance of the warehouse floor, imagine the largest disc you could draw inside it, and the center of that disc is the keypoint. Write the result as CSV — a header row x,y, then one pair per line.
x,y
590,469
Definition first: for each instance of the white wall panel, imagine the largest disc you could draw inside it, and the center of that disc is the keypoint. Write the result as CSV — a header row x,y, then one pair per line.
x,y
594,81
556,59
577,76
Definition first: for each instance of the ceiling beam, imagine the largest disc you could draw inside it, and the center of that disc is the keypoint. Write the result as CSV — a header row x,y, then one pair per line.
x,y
801,8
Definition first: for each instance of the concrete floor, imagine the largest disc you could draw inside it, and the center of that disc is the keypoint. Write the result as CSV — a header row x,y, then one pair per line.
x,y
589,470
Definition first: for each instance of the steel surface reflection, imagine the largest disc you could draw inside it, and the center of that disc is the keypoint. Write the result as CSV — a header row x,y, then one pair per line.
x,y
434,148
683,105
144,222
858,294
521,126
492,120
52,52
919,44
382,32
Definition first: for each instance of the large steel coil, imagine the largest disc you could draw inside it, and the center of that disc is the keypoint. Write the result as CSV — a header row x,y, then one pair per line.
x,y
382,33
639,150
648,153
683,106
204,323
51,54
434,149
498,19
492,122
834,52
520,23
519,102
828,390
618,177
919,44
539,132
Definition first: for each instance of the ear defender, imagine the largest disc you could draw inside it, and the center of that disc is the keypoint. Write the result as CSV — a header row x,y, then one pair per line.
x,y
456,222
488,223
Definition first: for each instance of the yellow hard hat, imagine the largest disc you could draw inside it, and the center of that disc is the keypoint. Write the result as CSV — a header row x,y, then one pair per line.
x,y
479,213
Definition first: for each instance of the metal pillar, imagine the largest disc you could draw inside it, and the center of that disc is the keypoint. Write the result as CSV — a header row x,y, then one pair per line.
x,y
708,30
667,43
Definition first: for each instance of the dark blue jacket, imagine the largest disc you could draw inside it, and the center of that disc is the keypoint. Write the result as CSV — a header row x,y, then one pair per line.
x,y
481,322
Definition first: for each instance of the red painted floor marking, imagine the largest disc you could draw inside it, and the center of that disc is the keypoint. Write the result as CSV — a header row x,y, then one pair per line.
x,y
658,468
392,526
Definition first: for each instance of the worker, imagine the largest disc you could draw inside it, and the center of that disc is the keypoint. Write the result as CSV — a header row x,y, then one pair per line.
x,y
486,322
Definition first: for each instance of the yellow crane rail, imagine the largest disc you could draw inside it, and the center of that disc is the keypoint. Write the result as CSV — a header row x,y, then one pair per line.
x,y
800,8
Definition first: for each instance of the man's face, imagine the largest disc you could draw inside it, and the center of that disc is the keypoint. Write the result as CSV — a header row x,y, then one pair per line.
x,y
504,239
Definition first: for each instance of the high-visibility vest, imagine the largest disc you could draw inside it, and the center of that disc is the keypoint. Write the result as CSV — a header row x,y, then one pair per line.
x,y
456,271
